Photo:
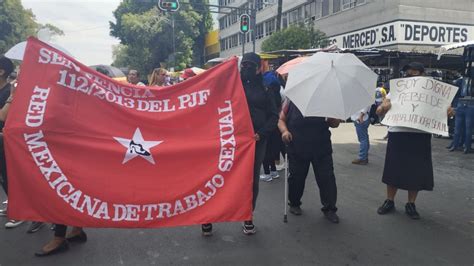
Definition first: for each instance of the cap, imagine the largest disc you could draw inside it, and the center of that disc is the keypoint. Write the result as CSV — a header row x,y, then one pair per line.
x,y
188,73
414,66
252,57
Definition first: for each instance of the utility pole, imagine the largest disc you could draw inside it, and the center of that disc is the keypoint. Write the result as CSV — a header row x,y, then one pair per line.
x,y
253,14
170,6
174,44
280,8
244,40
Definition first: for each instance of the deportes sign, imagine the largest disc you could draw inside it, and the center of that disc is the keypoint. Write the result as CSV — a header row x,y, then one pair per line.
x,y
85,150
405,32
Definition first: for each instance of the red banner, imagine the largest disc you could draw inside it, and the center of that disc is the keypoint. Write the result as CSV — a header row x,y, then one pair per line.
x,y
85,150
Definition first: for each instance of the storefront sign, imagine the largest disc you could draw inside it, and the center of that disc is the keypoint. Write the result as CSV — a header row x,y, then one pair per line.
x,y
405,32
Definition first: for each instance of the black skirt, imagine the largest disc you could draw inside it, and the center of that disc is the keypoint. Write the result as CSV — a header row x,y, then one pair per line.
x,y
408,163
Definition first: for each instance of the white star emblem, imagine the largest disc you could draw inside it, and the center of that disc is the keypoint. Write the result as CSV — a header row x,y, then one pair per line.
x,y
137,146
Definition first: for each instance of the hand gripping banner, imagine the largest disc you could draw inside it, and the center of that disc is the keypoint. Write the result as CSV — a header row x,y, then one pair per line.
x,y
85,150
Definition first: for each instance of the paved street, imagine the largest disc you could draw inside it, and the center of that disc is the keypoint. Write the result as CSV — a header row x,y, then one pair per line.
x,y
444,235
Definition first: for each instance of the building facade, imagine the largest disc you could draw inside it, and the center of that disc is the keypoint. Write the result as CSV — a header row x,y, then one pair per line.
x,y
402,25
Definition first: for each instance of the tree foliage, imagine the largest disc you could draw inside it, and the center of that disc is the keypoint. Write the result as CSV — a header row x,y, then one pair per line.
x,y
18,23
146,35
295,37
53,29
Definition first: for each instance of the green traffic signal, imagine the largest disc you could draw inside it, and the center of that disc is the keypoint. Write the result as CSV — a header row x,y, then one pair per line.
x,y
168,6
244,23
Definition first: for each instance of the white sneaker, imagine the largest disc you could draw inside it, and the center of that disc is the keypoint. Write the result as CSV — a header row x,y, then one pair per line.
x,y
5,202
266,178
3,212
13,224
274,174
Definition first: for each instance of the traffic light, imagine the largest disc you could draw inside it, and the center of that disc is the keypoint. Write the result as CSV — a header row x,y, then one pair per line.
x,y
244,23
168,5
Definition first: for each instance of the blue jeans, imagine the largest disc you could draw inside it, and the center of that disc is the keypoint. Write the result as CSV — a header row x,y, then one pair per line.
x,y
463,126
362,130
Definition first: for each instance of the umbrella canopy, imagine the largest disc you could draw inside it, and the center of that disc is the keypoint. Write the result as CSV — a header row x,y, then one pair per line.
x,y
18,51
111,71
331,85
198,70
285,68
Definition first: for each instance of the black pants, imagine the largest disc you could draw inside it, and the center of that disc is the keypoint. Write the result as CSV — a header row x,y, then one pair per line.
x,y
3,165
260,148
272,152
60,230
324,173
269,166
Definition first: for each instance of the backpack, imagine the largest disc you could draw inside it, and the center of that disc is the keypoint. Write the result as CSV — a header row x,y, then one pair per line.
x,y
373,117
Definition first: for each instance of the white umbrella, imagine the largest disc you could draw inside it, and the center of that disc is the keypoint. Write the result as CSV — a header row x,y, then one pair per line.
x,y
17,52
331,85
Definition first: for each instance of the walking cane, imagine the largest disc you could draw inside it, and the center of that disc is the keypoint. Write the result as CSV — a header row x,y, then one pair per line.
x,y
285,213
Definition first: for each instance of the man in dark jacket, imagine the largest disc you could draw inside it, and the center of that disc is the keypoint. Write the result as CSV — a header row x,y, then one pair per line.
x,y
309,142
264,114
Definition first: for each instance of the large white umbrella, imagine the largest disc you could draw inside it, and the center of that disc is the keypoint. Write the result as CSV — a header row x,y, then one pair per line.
x,y
17,52
331,85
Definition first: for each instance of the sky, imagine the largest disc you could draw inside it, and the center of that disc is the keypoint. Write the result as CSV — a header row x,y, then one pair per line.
x,y
85,24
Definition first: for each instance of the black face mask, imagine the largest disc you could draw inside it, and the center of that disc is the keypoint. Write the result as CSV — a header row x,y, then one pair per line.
x,y
248,73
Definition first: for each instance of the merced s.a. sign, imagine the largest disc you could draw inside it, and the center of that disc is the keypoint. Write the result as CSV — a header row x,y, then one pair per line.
x,y
405,32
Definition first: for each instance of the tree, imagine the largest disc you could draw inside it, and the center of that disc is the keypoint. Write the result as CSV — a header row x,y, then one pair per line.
x,y
295,37
147,34
16,24
53,29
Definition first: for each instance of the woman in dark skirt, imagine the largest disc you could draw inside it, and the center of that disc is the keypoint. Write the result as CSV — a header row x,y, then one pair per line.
x,y
408,163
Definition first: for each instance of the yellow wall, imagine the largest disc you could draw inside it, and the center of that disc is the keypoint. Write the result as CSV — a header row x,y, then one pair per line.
x,y
212,43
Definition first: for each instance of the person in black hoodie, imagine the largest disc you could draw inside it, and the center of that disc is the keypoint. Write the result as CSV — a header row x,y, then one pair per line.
x,y
264,114
272,154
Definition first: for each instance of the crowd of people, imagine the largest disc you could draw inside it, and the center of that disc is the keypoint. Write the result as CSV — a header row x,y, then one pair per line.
x,y
279,129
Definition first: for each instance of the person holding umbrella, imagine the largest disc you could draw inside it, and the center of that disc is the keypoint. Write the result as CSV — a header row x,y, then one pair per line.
x,y
408,163
322,90
309,142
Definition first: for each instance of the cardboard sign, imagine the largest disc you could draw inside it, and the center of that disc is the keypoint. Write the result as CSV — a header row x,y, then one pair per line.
x,y
420,103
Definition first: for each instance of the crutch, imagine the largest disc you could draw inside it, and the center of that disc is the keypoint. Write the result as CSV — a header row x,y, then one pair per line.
x,y
285,213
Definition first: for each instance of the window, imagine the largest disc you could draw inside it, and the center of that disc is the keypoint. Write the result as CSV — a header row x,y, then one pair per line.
x,y
346,4
270,26
259,31
259,4
234,17
222,45
317,9
295,15
284,20
309,10
325,8
221,23
336,7
234,39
